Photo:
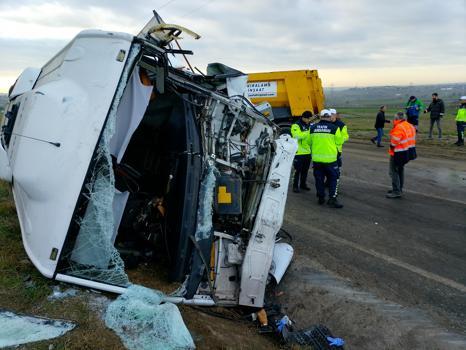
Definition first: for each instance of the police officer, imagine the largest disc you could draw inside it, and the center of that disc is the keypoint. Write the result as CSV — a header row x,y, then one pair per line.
x,y
325,140
336,119
461,121
302,159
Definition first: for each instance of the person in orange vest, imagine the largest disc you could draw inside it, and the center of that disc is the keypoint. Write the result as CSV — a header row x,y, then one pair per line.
x,y
402,150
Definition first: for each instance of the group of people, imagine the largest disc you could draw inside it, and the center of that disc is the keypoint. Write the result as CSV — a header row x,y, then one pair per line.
x,y
321,142
414,106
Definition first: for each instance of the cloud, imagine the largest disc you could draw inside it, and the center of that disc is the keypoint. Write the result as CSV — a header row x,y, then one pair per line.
x,y
331,35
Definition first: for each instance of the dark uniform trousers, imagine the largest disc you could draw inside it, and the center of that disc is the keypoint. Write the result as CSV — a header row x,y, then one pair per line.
x,y
323,172
460,126
301,164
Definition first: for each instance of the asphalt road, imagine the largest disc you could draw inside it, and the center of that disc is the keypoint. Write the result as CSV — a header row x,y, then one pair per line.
x,y
411,250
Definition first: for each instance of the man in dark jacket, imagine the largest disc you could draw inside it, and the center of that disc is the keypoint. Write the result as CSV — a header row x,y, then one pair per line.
x,y
379,125
437,110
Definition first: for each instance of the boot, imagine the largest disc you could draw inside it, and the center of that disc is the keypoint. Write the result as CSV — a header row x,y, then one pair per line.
x,y
305,187
373,140
333,203
379,145
296,189
321,200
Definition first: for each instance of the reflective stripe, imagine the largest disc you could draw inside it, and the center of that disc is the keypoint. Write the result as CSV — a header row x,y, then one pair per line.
x,y
403,149
408,139
325,156
402,137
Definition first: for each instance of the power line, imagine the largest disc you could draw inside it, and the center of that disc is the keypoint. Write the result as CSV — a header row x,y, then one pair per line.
x,y
197,8
165,4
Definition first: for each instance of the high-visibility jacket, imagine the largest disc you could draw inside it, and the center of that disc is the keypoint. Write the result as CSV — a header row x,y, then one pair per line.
x,y
344,133
325,140
402,137
461,115
300,131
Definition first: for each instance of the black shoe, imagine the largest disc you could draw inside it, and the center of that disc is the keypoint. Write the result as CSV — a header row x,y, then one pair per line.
x,y
296,190
379,145
459,143
321,200
393,195
373,141
333,203
305,188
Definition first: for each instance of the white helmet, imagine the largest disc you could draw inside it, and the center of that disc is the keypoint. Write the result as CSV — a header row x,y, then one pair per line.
x,y
324,112
463,98
332,111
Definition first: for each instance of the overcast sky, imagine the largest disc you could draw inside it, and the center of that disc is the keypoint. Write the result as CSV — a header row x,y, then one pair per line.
x,y
350,42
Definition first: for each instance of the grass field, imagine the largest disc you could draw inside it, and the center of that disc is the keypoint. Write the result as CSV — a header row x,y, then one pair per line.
x,y
360,122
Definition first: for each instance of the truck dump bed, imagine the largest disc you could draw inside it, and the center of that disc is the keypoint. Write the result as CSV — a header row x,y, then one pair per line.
x,y
290,93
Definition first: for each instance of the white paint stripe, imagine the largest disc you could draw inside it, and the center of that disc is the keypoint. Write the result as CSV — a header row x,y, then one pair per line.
x,y
426,274
405,191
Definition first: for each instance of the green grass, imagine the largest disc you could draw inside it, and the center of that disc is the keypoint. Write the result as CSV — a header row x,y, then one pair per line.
x,y
21,285
361,120
24,290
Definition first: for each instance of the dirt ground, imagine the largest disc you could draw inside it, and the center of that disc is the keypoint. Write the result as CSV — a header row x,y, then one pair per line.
x,y
381,274
384,274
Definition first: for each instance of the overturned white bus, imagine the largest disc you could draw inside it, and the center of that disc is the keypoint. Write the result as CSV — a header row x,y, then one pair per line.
x,y
115,155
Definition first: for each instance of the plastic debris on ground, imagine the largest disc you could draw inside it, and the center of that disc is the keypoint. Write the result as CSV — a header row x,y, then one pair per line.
x,y
142,321
18,329
58,294
318,337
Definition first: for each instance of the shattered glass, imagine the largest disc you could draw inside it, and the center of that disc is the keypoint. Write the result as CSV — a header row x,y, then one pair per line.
x,y
206,201
19,329
94,256
142,322
58,294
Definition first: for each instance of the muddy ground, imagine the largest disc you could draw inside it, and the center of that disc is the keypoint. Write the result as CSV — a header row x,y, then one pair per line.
x,y
382,274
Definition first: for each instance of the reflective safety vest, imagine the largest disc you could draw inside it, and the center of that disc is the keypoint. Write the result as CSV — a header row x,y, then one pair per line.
x,y
344,133
300,131
402,137
325,139
461,115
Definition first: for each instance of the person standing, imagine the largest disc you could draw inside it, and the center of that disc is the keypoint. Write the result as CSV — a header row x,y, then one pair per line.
x,y
461,121
402,150
302,159
325,140
437,110
336,119
413,108
380,122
